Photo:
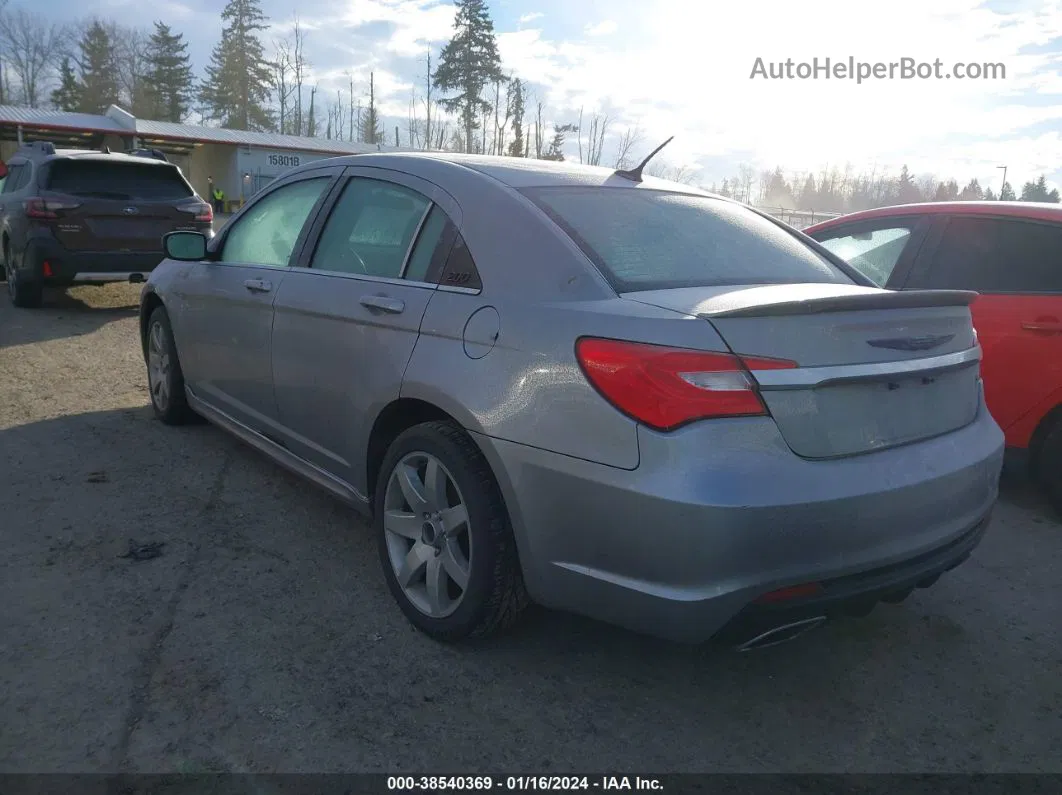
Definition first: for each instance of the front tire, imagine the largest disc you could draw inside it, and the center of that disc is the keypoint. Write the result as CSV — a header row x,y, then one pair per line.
x,y
165,377
445,540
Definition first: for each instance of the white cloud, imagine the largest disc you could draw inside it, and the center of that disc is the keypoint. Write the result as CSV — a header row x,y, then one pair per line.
x,y
683,69
601,28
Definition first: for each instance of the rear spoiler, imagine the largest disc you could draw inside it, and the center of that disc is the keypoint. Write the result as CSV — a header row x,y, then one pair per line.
x,y
858,302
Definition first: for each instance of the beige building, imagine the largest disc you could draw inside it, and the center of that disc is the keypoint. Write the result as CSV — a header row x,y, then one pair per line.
x,y
240,162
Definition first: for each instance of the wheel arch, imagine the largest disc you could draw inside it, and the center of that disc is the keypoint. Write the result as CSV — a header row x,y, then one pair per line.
x,y
1051,420
148,304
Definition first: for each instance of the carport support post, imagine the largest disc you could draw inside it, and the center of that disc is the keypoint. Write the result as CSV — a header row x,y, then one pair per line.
x,y
19,134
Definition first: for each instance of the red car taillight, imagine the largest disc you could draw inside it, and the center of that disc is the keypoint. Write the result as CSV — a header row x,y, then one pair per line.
x,y
205,213
665,387
47,209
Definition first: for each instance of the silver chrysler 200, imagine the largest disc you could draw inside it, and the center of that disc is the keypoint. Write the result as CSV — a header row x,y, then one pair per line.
x,y
603,393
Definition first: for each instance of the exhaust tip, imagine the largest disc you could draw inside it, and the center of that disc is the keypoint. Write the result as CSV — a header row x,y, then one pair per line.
x,y
782,633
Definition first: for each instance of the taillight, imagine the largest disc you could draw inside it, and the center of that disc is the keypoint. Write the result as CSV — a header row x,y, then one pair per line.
x,y
201,210
665,387
37,207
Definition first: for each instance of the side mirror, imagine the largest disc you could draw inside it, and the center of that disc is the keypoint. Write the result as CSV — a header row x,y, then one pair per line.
x,y
185,246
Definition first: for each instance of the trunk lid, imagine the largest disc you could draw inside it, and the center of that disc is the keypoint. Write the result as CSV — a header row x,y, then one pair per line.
x,y
99,224
875,368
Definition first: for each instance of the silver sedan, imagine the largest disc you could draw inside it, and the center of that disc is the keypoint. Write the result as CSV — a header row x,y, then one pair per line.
x,y
604,393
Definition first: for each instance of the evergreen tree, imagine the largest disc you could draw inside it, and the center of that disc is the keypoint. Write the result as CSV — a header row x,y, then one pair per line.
x,y
68,94
947,191
808,195
168,76
973,192
371,131
1038,192
467,64
517,110
1006,194
556,146
99,70
907,191
237,85
989,195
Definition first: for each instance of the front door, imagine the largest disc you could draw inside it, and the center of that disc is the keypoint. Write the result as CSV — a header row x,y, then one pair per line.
x,y
347,320
227,310
1016,265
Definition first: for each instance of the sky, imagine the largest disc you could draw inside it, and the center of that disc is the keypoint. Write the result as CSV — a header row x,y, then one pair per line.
x,y
685,68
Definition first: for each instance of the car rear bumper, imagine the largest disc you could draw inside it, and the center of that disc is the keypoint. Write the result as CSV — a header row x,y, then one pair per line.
x,y
84,267
718,514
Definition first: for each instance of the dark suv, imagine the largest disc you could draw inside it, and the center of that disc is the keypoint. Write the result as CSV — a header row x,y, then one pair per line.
x,y
81,217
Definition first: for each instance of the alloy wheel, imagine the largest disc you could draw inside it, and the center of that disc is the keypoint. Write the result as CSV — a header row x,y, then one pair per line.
x,y
428,538
158,366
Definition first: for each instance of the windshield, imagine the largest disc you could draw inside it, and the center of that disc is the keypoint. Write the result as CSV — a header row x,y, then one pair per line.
x,y
655,240
118,180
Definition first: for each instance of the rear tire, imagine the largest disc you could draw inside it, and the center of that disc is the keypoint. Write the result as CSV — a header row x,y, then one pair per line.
x,y
24,293
165,377
461,579
1049,467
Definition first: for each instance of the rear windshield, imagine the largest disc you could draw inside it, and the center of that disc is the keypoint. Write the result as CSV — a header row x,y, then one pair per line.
x,y
655,240
117,180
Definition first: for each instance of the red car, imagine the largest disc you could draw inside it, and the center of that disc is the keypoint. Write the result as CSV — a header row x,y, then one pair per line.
x,y
1010,253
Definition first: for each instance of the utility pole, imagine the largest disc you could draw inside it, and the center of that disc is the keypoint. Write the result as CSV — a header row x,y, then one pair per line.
x,y
1004,181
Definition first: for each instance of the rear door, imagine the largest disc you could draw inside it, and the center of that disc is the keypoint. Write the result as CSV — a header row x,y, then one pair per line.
x,y
1016,265
226,304
120,205
882,249
346,321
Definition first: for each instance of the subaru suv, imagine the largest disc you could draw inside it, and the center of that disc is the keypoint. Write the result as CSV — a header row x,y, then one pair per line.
x,y
71,217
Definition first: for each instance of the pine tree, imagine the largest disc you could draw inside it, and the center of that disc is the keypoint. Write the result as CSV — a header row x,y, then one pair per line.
x,y
68,94
989,195
1038,192
371,132
517,110
1006,193
467,64
99,70
168,76
556,146
237,85
973,192
906,190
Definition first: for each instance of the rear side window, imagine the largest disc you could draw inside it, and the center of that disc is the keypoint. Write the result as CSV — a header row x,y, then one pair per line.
x,y
14,175
993,255
653,240
874,253
117,180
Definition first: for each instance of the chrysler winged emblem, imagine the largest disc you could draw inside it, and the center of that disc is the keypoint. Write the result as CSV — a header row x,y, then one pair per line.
x,y
924,343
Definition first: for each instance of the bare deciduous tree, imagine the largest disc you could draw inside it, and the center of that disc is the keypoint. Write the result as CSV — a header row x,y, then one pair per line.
x,y
283,83
630,140
596,139
31,46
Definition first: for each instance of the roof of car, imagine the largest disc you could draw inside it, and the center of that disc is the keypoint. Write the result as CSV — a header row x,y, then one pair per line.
x,y
516,172
29,153
1041,211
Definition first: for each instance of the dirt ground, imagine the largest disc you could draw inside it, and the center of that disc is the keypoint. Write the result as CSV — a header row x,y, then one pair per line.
x,y
263,637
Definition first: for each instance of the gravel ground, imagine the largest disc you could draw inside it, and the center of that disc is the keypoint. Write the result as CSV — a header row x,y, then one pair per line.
x,y
264,639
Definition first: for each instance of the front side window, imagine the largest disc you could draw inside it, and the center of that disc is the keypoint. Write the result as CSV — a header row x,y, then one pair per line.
x,y
993,255
654,240
267,233
874,253
371,230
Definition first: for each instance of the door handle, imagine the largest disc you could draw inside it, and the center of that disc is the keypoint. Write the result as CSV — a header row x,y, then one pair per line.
x,y
257,285
393,306
1044,325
